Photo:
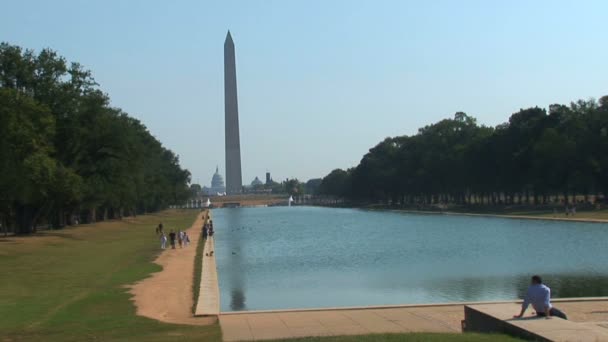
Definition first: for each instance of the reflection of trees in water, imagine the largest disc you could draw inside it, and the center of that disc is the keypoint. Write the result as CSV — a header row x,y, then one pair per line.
x,y
233,238
512,287
475,288
562,285
577,285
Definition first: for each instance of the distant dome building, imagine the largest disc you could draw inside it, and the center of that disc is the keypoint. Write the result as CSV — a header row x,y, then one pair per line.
x,y
256,182
217,184
217,181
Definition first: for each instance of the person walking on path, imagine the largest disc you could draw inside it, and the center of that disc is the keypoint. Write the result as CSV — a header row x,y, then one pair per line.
x,y
172,239
179,238
539,295
186,239
163,241
205,232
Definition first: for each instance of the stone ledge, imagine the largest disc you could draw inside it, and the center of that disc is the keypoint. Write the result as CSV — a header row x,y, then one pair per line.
x,y
498,318
208,303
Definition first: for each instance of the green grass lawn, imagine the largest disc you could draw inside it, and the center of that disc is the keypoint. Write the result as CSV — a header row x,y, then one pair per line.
x,y
68,285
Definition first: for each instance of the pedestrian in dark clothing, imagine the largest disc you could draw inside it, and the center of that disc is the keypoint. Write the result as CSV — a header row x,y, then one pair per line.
x,y
205,232
172,239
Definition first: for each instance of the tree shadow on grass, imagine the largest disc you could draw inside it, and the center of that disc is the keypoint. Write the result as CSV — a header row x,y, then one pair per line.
x,y
16,238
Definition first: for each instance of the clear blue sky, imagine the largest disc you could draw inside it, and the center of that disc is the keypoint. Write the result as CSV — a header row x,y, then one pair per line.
x,y
320,82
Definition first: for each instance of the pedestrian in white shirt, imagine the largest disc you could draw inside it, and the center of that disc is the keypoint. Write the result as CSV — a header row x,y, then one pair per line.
x,y
186,239
163,241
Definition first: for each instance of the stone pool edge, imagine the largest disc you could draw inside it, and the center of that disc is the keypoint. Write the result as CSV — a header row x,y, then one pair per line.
x,y
397,306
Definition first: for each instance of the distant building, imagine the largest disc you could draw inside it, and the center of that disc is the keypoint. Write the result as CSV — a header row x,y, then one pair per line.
x,y
217,184
268,178
256,182
257,187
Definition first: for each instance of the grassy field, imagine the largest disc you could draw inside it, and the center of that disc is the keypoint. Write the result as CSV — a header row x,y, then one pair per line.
x,y
69,285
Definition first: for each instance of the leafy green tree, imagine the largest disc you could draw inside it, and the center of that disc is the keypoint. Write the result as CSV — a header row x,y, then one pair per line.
x,y
28,172
67,155
312,185
534,156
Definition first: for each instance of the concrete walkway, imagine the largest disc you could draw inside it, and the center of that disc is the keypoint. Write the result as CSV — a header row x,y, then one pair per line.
x,y
285,324
247,326
209,293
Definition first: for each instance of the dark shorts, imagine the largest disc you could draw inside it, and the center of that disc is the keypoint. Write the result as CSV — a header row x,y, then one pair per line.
x,y
553,312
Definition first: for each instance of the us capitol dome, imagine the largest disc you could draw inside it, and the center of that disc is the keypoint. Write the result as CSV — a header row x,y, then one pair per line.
x,y
217,184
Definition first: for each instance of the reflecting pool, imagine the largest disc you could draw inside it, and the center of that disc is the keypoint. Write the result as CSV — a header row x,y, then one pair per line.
x,y
308,257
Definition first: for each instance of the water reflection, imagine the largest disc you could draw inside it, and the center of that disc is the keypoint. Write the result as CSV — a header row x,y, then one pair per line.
x,y
233,221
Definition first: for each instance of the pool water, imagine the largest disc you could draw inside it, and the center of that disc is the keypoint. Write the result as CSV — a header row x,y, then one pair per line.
x,y
311,257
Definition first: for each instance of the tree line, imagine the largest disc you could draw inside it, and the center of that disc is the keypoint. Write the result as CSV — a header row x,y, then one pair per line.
x,y
538,157
66,155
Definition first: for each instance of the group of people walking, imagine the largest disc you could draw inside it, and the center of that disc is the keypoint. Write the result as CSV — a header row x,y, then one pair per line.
x,y
207,229
182,238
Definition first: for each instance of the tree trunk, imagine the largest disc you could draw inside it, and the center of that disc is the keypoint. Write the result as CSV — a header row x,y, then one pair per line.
x,y
24,219
4,224
92,215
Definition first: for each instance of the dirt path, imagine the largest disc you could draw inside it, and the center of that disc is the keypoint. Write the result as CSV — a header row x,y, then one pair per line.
x,y
167,295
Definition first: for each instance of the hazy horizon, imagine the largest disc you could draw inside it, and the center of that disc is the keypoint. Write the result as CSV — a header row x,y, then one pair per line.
x,y
319,83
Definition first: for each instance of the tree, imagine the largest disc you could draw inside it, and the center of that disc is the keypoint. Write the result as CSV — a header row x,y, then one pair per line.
x,y
312,185
534,155
336,183
66,153
27,168
293,187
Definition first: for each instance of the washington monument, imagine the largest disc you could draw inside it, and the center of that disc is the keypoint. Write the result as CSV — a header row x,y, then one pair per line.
x,y
234,181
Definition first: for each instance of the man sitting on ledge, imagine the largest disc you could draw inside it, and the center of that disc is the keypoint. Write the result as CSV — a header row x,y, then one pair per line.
x,y
539,295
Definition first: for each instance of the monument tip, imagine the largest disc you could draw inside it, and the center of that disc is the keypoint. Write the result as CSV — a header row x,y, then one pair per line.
x,y
228,36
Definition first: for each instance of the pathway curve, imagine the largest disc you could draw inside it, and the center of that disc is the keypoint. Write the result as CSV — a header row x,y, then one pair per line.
x,y
167,295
